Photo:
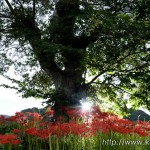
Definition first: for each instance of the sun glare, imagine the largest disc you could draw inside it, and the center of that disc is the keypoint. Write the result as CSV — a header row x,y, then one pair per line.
x,y
86,106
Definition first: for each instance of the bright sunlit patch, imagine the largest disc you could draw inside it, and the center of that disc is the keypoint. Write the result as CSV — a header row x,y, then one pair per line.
x,y
86,106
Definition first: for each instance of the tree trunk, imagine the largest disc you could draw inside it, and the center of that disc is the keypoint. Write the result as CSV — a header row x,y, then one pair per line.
x,y
70,92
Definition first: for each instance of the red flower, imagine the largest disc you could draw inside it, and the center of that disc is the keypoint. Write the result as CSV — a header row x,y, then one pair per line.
x,y
43,133
15,142
11,118
73,112
32,131
140,131
63,129
20,118
36,116
16,131
79,129
9,139
100,126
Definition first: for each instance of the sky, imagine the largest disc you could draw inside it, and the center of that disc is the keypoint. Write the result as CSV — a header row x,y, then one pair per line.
x,y
11,102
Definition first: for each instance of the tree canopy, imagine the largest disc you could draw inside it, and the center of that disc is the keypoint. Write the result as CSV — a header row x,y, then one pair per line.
x,y
67,50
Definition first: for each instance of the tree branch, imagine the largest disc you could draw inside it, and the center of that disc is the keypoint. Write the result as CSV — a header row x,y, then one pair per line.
x,y
34,9
113,86
8,86
128,55
9,5
95,78
119,88
138,67
135,68
19,2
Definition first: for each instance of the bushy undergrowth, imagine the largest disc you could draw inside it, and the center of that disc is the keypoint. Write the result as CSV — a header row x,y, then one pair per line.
x,y
85,130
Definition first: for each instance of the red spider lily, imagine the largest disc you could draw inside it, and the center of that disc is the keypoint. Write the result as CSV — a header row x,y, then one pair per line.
x,y
79,129
28,114
43,124
123,126
121,129
103,115
74,112
36,116
11,118
60,118
99,122
21,118
9,139
63,129
95,110
53,129
16,142
144,125
31,118
58,129
3,141
99,126
16,131
43,133
32,131
125,123
141,132
68,128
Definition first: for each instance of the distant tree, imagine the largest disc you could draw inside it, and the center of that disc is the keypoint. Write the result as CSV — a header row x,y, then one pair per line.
x,y
68,50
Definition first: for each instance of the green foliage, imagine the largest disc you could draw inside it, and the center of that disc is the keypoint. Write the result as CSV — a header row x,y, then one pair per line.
x,y
7,128
70,40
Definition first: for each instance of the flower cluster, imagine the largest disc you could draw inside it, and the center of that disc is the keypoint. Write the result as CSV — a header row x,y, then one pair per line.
x,y
82,124
9,139
106,122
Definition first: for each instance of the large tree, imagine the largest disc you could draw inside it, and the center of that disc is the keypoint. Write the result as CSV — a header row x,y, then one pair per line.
x,y
77,49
